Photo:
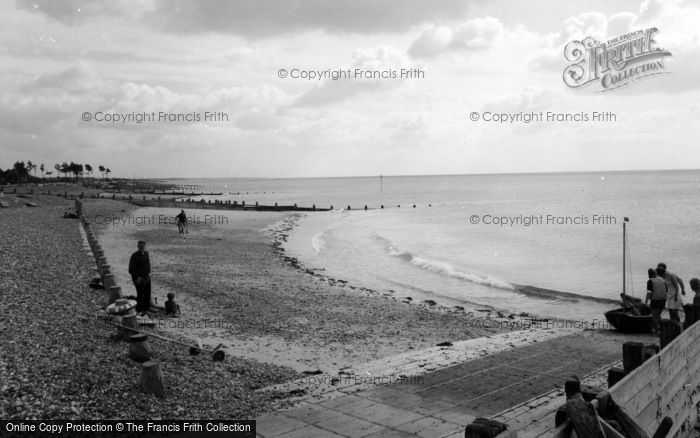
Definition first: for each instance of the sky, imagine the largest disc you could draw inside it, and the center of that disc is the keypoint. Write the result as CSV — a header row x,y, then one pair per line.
x,y
237,73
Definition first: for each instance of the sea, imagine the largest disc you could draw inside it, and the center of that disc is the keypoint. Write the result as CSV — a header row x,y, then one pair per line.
x,y
549,245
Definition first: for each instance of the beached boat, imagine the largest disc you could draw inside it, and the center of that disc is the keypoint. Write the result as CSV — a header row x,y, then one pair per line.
x,y
633,316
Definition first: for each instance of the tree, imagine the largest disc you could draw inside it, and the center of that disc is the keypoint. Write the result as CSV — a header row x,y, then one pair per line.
x,y
42,171
20,171
31,167
88,169
102,169
76,169
107,171
65,168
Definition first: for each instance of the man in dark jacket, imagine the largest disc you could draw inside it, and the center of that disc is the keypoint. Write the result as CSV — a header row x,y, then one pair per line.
x,y
140,270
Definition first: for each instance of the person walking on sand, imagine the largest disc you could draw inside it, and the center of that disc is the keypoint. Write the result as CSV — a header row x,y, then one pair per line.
x,y
673,298
656,298
182,222
140,270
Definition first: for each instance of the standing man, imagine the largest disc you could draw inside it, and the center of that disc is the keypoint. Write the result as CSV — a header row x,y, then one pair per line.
x,y
673,298
656,296
140,270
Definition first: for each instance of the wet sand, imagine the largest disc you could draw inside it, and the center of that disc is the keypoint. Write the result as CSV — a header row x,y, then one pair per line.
x,y
236,287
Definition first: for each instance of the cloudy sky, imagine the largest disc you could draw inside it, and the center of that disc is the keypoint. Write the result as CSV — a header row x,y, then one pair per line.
x,y
61,59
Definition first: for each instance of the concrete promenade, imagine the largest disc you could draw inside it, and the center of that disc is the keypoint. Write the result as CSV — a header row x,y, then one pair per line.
x,y
521,386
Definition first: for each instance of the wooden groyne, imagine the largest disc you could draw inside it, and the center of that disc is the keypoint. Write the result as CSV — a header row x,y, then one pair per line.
x,y
655,394
165,199
218,205
170,201
665,385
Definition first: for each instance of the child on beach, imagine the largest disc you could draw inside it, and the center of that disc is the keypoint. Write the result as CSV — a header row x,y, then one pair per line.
x,y
695,286
171,307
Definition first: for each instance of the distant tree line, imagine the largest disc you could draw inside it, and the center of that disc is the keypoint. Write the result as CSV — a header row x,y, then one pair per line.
x,y
22,172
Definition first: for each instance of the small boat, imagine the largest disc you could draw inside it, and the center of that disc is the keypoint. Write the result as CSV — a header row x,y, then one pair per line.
x,y
634,316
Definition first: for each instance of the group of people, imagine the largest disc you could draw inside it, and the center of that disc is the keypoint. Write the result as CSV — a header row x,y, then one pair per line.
x,y
664,289
140,271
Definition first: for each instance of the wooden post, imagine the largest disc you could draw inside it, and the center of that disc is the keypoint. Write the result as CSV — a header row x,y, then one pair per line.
x,y
650,350
152,379
100,263
115,293
107,283
139,348
128,321
615,374
632,355
572,386
668,332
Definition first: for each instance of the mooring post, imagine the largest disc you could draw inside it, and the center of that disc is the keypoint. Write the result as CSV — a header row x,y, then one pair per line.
x,y
615,374
668,332
632,355
572,385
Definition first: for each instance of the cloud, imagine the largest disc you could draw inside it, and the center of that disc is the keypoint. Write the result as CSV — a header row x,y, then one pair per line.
x,y
475,34
528,99
77,12
368,61
265,18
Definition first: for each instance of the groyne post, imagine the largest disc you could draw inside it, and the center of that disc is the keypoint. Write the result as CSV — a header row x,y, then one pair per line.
x,y
115,293
632,355
128,322
100,264
139,348
106,269
108,282
152,379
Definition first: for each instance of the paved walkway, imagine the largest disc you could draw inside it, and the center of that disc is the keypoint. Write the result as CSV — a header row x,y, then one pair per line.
x,y
441,403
